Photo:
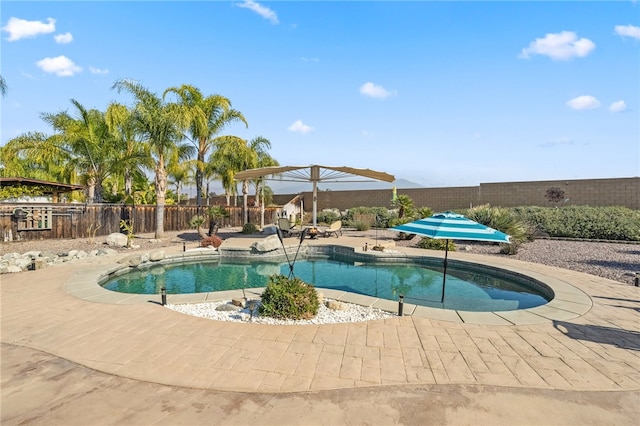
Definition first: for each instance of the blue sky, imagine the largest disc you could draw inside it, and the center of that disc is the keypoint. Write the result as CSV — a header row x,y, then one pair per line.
x,y
439,93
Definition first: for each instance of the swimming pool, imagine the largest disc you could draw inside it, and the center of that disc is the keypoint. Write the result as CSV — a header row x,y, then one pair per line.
x,y
469,287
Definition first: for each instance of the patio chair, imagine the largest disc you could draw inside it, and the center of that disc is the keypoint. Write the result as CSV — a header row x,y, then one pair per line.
x,y
287,228
335,228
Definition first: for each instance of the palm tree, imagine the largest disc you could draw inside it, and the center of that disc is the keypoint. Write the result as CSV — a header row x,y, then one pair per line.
x,y
180,173
207,117
87,145
162,130
132,155
232,156
260,145
32,155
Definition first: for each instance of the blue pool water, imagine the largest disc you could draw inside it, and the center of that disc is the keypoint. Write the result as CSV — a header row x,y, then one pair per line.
x,y
465,289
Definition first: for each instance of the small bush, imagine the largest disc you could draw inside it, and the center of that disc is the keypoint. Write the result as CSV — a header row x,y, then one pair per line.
x,y
213,240
377,217
289,298
327,217
504,220
361,225
249,228
433,244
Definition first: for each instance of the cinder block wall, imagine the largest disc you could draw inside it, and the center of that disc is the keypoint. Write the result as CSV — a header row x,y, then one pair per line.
x,y
582,192
585,192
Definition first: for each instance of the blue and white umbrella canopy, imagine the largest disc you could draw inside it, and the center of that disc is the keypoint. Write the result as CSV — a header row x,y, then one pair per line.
x,y
452,226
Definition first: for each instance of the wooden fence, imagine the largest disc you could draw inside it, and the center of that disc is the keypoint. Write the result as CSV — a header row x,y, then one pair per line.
x,y
31,221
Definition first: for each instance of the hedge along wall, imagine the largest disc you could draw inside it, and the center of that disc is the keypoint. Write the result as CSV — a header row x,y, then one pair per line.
x,y
84,221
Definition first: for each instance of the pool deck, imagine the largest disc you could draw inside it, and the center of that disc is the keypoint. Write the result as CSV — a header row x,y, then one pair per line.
x,y
587,339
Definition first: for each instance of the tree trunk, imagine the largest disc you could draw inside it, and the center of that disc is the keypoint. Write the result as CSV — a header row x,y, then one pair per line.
x,y
199,176
91,191
161,192
128,183
245,205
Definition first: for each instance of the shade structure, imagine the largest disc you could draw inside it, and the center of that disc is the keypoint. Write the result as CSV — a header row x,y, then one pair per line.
x,y
314,174
452,226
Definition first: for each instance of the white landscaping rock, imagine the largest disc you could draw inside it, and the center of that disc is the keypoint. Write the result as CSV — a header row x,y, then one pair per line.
x,y
156,256
117,239
271,243
351,313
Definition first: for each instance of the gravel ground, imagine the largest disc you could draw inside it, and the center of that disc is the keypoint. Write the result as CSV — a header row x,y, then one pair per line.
x,y
616,261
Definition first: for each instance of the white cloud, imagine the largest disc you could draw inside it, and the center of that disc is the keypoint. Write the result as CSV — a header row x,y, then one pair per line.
x,y
584,102
261,10
300,127
618,106
367,134
628,31
304,59
375,91
20,28
94,70
63,38
60,66
561,46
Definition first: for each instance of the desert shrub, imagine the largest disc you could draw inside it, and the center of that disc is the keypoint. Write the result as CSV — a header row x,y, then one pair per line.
x,y
504,220
327,217
362,225
607,223
213,240
377,217
434,244
404,205
401,221
289,298
424,212
196,221
249,228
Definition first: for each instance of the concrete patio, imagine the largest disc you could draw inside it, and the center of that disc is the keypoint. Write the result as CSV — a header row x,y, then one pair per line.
x,y
586,341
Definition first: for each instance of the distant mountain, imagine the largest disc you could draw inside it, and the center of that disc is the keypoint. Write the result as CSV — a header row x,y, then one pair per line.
x,y
297,187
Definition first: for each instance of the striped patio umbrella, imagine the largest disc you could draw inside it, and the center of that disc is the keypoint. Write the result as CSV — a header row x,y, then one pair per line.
x,y
451,226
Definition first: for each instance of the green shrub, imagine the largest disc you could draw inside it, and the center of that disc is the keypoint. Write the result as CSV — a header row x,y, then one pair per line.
x,y
289,298
327,217
362,225
249,228
377,217
401,221
505,220
605,223
434,244
424,212
405,207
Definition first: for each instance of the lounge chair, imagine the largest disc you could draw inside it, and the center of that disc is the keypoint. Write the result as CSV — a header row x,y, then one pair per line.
x,y
335,228
286,227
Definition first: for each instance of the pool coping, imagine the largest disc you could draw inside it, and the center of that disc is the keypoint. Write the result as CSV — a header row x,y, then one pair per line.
x,y
569,301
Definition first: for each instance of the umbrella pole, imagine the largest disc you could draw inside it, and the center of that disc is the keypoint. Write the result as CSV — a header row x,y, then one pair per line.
x,y
315,202
444,273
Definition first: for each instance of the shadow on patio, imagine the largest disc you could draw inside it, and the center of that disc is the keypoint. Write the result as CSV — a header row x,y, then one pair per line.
x,y
624,339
